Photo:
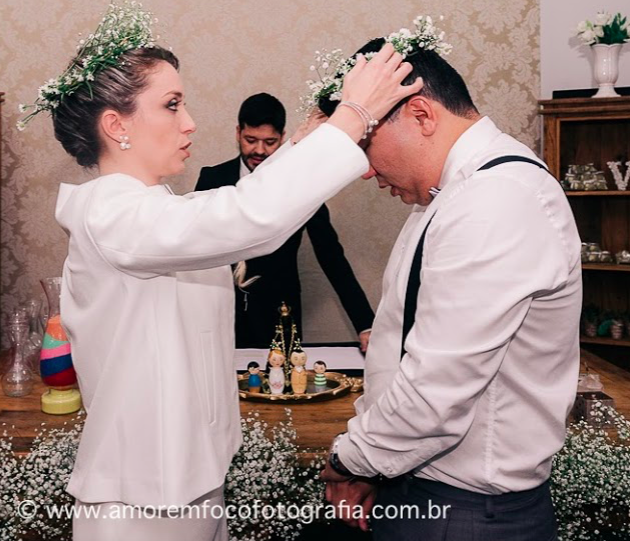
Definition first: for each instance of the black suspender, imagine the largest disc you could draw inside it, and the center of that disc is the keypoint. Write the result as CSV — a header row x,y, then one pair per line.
x,y
505,159
413,288
413,284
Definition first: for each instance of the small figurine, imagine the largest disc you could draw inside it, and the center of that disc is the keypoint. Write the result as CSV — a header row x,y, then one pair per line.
x,y
298,374
320,374
276,369
253,381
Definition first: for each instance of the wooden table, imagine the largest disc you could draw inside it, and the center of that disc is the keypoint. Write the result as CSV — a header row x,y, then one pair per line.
x,y
316,423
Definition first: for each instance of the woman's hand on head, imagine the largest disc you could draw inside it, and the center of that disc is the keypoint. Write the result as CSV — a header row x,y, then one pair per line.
x,y
375,86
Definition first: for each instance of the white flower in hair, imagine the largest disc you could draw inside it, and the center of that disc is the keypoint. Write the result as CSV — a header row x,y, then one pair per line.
x,y
332,67
124,27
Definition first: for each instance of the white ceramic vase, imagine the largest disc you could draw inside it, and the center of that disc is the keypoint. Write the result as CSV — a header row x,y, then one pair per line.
x,y
606,68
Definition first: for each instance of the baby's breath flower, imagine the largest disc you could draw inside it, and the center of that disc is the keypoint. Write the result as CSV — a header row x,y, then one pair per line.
x,y
122,28
590,478
332,67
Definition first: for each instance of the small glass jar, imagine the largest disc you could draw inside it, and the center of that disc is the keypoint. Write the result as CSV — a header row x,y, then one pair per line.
x,y
605,257
593,257
18,380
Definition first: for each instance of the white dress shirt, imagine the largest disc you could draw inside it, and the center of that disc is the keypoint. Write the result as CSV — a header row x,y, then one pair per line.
x,y
243,170
148,304
480,399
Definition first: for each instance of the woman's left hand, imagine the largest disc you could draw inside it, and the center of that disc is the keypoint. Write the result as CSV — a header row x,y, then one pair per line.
x,y
313,121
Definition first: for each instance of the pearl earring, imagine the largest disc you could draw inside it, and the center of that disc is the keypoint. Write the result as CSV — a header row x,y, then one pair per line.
x,y
124,142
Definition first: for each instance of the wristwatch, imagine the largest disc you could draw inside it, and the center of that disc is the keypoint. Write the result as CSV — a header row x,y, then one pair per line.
x,y
333,458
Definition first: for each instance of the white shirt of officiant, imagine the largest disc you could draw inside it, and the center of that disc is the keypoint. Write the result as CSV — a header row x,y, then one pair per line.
x,y
480,399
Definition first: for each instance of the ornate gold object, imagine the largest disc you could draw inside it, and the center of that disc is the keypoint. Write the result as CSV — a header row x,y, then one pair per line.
x,y
337,384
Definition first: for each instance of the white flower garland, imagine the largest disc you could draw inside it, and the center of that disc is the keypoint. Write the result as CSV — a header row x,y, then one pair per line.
x,y
123,28
333,66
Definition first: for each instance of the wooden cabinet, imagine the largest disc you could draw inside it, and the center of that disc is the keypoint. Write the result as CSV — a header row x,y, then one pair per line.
x,y
581,131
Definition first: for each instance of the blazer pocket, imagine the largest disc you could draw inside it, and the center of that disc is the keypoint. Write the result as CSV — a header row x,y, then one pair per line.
x,y
211,383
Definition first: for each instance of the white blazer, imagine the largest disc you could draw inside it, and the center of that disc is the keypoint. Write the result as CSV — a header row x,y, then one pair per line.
x,y
148,304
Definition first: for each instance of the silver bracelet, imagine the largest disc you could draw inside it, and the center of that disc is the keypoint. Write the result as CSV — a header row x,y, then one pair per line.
x,y
369,123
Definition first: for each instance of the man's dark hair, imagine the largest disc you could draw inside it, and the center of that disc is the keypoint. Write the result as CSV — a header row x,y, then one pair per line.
x,y
262,109
442,83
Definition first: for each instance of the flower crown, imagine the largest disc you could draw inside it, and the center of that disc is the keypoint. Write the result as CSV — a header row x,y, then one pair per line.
x,y
123,28
332,66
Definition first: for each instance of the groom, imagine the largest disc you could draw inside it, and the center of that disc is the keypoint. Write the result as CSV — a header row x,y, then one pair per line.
x,y
474,355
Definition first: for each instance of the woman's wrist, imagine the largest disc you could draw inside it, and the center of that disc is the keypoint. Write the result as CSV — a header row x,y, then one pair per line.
x,y
349,121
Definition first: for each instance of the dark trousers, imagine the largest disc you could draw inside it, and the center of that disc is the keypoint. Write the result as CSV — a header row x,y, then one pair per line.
x,y
440,512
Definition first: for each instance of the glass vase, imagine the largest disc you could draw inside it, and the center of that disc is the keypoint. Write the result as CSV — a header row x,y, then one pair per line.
x,y
33,346
56,359
18,379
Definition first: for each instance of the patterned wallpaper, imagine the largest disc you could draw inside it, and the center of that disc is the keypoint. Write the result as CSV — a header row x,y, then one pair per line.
x,y
228,51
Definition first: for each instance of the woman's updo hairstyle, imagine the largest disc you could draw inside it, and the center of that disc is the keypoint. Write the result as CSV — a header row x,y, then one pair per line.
x,y
76,118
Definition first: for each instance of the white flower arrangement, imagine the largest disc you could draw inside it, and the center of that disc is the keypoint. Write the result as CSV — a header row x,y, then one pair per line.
x,y
123,28
41,476
590,479
265,472
333,66
607,29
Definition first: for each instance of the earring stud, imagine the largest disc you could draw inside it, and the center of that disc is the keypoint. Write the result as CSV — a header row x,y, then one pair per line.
x,y
124,142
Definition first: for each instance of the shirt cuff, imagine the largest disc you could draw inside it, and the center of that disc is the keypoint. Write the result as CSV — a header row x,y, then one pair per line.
x,y
353,459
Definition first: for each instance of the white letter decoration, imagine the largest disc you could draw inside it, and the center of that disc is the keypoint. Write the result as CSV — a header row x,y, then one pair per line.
x,y
622,183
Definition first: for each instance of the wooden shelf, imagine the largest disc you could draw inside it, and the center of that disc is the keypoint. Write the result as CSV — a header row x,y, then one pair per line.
x,y
597,131
606,267
606,341
589,108
598,193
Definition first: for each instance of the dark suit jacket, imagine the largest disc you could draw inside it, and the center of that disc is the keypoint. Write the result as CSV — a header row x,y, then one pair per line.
x,y
257,307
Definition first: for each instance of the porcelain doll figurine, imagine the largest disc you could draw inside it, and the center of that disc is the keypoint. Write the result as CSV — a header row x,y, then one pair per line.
x,y
253,381
320,374
276,370
298,373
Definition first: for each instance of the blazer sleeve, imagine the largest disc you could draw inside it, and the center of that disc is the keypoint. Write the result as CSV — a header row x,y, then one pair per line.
x,y
333,262
146,232
224,174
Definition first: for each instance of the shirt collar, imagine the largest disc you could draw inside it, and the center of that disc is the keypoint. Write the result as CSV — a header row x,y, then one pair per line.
x,y
243,170
460,161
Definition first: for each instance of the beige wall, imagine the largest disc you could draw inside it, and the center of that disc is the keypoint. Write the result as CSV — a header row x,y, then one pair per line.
x,y
228,51
565,62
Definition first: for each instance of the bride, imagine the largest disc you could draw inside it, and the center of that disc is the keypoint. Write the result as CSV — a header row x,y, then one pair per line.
x,y
147,297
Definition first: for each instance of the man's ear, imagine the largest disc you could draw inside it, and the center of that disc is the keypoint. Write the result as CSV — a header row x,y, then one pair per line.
x,y
113,125
284,133
424,112
238,133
